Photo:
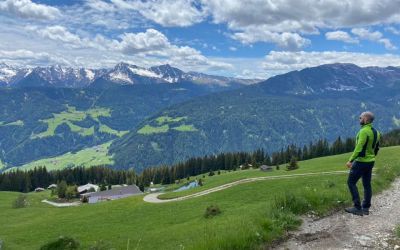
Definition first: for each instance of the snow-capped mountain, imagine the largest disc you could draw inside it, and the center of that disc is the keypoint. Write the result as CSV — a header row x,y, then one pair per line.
x,y
58,76
9,74
128,74
168,73
120,74
124,73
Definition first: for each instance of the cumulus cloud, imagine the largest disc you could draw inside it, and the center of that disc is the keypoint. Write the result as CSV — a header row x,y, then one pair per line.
x,y
154,43
340,36
57,33
285,40
143,42
28,9
26,57
298,18
374,36
178,13
302,16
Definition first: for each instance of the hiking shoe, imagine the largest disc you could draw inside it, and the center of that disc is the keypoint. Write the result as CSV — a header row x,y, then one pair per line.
x,y
365,211
354,210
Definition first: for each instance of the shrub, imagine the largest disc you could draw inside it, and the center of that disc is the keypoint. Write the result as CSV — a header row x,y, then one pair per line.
x,y
211,173
71,192
292,164
398,231
212,211
20,202
61,189
200,182
62,243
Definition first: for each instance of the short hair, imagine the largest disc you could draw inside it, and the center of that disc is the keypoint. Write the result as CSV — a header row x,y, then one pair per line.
x,y
369,115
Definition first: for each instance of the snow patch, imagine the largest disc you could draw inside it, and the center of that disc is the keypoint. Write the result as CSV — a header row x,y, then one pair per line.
x,y
143,72
89,74
119,76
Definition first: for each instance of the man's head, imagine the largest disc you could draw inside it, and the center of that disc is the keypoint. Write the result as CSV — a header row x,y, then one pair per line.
x,y
366,117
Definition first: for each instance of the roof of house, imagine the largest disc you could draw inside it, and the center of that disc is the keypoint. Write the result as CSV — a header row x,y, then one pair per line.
x,y
87,187
132,189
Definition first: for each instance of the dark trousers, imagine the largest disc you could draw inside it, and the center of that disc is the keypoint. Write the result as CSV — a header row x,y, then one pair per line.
x,y
361,170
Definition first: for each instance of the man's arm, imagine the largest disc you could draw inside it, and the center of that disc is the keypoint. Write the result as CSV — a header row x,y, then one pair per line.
x,y
362,138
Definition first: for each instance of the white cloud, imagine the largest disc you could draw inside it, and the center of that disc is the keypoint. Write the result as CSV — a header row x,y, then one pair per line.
x,y
232,48
340,36
57,33
178,13
28,9
262,20
143,42
374,36
26,57
302,16
393,30
285,40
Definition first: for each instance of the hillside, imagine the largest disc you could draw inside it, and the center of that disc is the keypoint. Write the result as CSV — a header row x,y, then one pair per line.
x,y
38,123
269,115
253,214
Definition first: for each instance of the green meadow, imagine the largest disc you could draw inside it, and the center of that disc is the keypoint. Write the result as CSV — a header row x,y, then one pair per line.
x,y
72,115
16,123
253,215
88,157
165,123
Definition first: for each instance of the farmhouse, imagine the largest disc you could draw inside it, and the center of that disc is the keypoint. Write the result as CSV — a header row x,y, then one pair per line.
x,y
266,168
52,186
39,189
112,194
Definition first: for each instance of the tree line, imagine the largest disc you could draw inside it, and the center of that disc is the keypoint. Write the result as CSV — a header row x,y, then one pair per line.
x,y
25,181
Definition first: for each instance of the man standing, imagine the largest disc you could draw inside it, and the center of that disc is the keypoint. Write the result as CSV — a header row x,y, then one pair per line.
x,y
361,163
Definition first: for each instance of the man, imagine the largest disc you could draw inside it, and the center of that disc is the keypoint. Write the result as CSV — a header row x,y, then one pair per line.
x,y
361,163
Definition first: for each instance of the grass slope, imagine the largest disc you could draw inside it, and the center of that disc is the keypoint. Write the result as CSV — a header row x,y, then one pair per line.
x,y
70,116
252,214
87,157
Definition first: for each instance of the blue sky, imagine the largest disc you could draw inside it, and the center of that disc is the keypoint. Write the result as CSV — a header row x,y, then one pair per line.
x,y
250,39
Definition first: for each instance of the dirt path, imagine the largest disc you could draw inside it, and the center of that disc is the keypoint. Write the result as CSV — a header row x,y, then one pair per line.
x,y
153,198
71,204
345,231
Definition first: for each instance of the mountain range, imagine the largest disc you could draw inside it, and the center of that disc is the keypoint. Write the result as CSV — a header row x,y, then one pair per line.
x,y
122,74
162,115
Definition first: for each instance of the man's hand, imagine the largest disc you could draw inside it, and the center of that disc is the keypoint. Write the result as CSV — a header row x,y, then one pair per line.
x,y
349,164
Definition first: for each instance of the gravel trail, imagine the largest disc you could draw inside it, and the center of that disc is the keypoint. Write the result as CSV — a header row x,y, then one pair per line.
x,y
345,231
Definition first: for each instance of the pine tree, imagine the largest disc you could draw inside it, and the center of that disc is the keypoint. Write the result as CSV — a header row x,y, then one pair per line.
x,y
292,164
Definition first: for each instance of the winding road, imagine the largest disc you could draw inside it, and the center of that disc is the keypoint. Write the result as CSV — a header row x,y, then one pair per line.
x,y
153,198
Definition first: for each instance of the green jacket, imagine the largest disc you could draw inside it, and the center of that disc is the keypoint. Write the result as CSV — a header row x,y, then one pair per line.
x,y
367,144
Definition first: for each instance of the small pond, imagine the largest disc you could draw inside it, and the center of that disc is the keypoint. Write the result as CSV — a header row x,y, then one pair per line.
x,y
188,186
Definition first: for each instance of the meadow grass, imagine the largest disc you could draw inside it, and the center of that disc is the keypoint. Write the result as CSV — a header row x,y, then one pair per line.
x,y
148,129
16,123
88,157
322,164
166,119
70,116
253,215
186,128
106,129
